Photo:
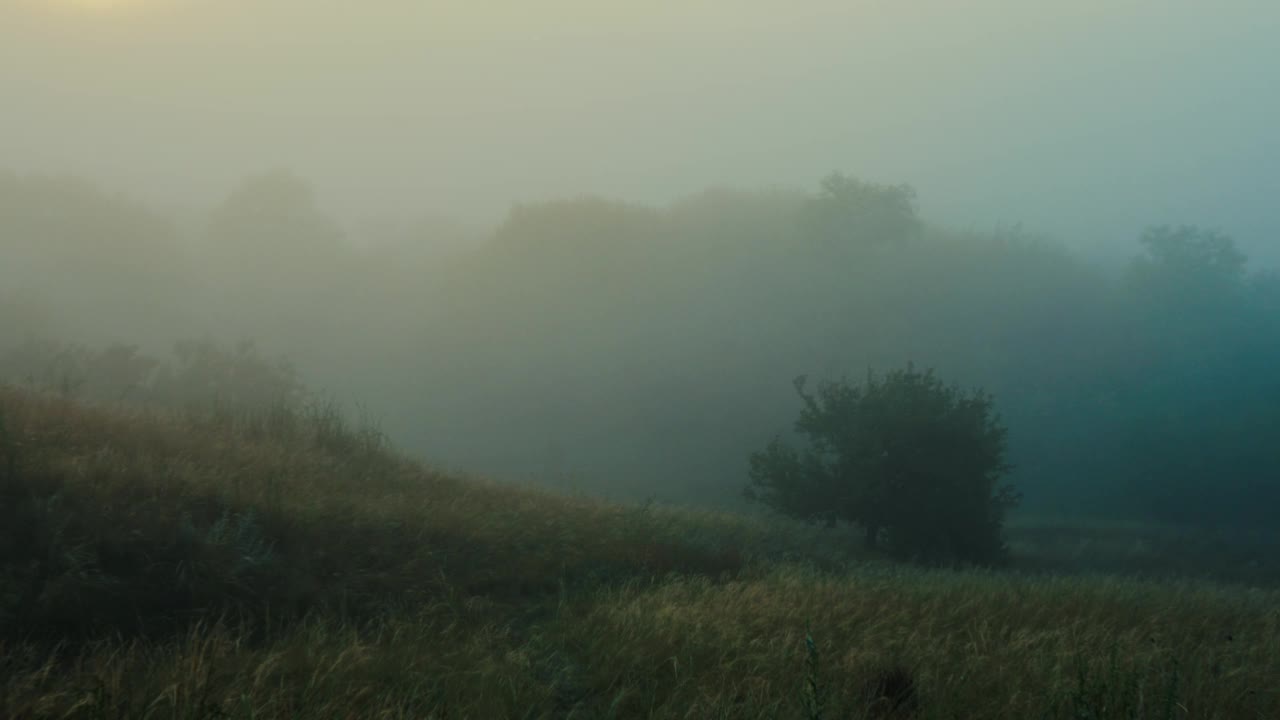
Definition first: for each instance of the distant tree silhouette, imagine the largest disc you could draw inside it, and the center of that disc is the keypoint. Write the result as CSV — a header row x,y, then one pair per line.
x,y
1186,269
848,211
587,228
1195,425
273,218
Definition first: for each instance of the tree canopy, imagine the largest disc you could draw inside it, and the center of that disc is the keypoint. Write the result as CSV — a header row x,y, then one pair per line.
x,y
915,462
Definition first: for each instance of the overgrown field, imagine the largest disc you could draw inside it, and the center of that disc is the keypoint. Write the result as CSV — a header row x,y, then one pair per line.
x,y
286,564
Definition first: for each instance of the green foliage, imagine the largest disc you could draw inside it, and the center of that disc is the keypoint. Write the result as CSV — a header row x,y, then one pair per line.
x,y
811,696
904,456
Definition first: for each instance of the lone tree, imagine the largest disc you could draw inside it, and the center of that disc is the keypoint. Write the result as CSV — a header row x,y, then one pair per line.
x,y
916,463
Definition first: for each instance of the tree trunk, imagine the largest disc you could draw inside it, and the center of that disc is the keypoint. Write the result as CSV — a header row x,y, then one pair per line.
x,y
873,533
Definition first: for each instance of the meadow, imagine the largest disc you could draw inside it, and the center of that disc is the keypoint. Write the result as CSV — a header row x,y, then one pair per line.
x,y
289,563
807,360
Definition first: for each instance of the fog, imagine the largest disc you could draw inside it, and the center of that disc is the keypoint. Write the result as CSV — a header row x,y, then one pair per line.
x,y
591,246
1086,120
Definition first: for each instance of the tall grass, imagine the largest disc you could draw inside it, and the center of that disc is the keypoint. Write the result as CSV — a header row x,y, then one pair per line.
x,y
287,564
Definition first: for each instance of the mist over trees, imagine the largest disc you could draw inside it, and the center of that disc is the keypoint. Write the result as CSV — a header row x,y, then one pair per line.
x,y
644,351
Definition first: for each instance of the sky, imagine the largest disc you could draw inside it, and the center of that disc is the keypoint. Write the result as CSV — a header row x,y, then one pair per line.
x,y
1085,120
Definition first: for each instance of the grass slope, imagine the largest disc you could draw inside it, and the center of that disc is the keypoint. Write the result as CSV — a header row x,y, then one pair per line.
x,y
287,565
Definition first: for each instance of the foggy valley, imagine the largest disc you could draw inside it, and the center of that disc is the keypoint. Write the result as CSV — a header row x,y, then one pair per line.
x,y
720,360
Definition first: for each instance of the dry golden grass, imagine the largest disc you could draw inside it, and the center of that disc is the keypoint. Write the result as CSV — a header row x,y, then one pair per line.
x,y
975,644
288,566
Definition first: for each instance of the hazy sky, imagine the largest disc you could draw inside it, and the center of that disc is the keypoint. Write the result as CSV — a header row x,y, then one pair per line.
x,y
1087,119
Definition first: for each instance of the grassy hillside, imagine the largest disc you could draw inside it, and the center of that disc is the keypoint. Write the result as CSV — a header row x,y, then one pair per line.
x,y
285,564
